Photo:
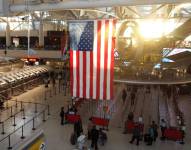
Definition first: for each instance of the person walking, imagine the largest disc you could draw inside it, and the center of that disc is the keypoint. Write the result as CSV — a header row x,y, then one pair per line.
x,y
136,134
95,136
62,115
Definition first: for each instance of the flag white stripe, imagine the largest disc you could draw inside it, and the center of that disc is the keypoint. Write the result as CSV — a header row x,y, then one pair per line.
x,y
94,61
81,72
109,58
88,74
102,56
74,74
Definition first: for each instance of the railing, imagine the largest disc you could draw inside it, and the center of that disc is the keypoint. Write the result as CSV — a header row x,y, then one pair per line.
x,y
127,75
10,143
60,86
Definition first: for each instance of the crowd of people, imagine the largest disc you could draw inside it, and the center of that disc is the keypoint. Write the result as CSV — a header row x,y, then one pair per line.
x,y
97,137
151,134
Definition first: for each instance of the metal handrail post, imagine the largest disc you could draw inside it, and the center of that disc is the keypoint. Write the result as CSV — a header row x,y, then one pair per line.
x,y
24,114
21,105
48,110
9,143
33,125
65,90
14,124
11,112
50,93
44,116
3,128
35,108
22,136
45,95
16,103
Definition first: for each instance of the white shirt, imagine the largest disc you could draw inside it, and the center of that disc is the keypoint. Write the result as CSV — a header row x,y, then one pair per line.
x,y
163,124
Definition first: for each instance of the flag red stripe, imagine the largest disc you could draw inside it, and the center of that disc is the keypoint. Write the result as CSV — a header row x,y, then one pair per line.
x,y
91,74
112,61
71,72
105,59
84,74
77,74
98,59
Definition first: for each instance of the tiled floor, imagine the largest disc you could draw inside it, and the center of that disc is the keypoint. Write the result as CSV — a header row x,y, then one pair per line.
x,y
58,137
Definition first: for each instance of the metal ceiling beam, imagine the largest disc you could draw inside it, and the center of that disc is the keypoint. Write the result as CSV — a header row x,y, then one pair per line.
x,y
134,11
186,10
158,8
74,14
3,20
89,4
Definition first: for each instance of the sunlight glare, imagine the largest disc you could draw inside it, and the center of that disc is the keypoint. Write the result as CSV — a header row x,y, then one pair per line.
x,y
152,29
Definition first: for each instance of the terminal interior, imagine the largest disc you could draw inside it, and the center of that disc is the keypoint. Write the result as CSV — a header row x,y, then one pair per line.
x,y
151,78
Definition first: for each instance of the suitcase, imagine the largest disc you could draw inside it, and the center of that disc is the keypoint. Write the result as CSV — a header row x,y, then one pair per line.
x,y
146,138
73,139
150,141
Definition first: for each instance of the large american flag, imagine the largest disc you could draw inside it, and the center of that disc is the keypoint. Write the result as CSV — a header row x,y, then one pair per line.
x,y
92,59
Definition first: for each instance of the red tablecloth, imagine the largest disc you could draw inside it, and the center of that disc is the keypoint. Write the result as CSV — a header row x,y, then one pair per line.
x,y
130,125
173,134
72,118
100,121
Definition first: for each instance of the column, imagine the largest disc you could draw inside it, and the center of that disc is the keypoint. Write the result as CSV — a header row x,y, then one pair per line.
x,y
41,34
8,36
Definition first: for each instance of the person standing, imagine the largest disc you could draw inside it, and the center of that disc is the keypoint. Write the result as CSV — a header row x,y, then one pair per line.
x,y
132,98
124,95
95,136
78,128
102,137
53,82
155,127
151,135
62,115
90,126
163,127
